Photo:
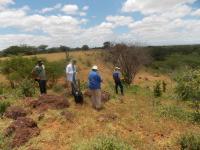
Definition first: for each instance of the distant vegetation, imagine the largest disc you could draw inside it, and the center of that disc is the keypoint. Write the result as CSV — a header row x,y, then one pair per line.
x,y
168,59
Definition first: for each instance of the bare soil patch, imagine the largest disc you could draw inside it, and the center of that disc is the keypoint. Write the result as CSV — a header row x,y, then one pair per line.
x,y
68,116
49,102
14,112
107,117
22,130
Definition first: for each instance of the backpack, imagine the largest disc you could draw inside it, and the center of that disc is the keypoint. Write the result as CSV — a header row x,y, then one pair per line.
x,y
116,76
78,95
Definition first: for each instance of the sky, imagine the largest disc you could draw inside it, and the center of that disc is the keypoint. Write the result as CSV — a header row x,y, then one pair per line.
x,y
77,22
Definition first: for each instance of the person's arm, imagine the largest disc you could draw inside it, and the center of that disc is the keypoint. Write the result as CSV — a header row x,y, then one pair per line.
x,y
99,78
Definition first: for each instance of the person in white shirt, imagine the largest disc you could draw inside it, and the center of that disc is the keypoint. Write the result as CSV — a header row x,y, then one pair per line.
x,y
71,74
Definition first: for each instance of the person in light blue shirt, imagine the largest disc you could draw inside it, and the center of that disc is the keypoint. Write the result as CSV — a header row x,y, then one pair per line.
x,y
95,81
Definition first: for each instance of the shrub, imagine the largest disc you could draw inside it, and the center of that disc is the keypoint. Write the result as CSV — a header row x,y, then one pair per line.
x,y
17,68
157,89
190,142
58,88
3,107
54,71
188,88
188,85
27,88
175,113
129,58
103,143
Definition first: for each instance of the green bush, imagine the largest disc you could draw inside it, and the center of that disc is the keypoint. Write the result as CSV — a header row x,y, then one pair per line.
x,y
188,85
175,113
27,88
190,142
58,88
18,68
170,64
157,89
188,88
54,71
103,143
3,107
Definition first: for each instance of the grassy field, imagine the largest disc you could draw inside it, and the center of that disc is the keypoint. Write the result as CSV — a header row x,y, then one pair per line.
x,y
142,121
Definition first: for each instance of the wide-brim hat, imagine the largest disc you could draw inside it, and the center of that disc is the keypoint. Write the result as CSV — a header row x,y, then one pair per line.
x,y
117,68
94,67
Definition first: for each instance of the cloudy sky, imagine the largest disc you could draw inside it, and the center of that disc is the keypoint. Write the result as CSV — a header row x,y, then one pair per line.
x,y
77,22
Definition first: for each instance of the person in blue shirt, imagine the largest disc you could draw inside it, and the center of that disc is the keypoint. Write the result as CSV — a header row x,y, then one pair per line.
x,y
117,80
95,87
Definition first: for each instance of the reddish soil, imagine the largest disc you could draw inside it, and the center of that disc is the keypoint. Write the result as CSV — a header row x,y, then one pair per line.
x,y
22,130
49,102
14,112
68,116
107,117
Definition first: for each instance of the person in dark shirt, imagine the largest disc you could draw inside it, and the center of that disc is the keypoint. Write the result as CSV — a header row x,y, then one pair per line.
x,y
40,76
117,80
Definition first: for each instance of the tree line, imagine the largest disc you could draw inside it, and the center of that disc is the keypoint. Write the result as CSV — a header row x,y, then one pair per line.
x,y
158,53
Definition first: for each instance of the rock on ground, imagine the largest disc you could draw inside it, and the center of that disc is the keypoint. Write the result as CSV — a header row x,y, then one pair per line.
x,y
22,130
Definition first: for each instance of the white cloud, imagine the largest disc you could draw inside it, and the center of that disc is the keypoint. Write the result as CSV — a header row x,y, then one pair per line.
x,y
120,20
83,13
85,8
152,6
49,9
70,9
6,2
158,27
196,13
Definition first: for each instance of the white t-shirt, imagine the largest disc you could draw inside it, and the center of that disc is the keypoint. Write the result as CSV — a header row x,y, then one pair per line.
x,y
70,72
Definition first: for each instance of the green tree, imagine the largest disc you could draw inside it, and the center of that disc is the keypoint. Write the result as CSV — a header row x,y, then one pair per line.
x,y
85,47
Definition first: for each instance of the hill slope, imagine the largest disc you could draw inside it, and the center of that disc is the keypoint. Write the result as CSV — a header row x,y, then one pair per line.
x,y
138,120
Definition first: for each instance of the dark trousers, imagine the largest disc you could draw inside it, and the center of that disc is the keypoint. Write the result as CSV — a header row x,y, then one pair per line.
x,y
42,85
73,88
119,84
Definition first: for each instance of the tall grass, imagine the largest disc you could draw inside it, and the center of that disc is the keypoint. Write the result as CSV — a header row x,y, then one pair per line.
x,y
102,143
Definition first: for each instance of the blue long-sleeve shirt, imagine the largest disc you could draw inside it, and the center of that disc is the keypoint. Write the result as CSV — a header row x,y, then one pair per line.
x,y
94,80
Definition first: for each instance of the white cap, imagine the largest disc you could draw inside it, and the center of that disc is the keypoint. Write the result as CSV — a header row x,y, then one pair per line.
x,y
95,68
117,68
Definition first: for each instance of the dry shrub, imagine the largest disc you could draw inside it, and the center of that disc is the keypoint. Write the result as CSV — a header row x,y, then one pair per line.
x,y
129,58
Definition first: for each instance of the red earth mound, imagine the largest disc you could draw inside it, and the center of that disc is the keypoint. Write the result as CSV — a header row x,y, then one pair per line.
x,y
49,102
105,96
14,112
22,130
